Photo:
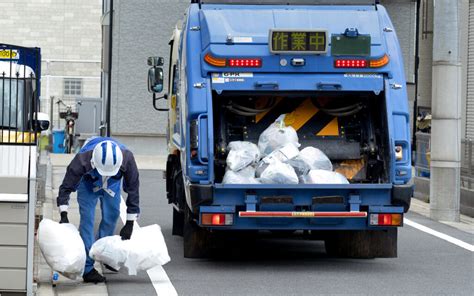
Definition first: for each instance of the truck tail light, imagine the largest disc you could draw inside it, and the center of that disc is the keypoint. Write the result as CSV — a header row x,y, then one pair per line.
x,y
245,63
233,62
217,219
379,62
350,63
213,61
359,63
385,219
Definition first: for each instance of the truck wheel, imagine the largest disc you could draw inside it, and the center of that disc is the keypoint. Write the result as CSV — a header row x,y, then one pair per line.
x,y
178,222
362,244
196,240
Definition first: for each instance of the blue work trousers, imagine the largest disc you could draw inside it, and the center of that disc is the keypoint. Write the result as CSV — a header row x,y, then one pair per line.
x,y
110,208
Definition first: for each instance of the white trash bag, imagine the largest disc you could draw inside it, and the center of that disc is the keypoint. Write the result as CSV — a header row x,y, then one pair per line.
x,y
278,172
145,249
324,177
62,247
284,154
241,155
315,158
109,250
244,176
277,135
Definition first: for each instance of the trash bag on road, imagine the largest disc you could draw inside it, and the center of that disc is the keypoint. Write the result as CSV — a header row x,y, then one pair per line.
x,y
278,172
145,249
276,136
324,177
244,176
110,250
62,247
241,155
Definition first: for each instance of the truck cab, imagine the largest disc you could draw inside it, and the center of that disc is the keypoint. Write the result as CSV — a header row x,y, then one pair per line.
x,y
335,70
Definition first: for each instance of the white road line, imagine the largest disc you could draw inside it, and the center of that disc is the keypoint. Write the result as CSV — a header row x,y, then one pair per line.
x,y
158,277
440,235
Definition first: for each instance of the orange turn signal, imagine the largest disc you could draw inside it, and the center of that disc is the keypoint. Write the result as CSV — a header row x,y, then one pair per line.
x,y
379,62
213,61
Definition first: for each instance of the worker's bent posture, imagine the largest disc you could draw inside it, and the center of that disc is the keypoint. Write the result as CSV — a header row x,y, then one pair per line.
x,y
96,173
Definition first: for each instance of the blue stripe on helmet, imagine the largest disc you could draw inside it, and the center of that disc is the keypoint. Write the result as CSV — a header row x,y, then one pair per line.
x,y
114,154
104,152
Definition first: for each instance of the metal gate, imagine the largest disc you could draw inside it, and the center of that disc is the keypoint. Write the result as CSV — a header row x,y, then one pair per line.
x,y
19,93
20,74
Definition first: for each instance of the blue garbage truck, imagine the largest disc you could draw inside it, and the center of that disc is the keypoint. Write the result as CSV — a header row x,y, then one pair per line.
x,y
334,69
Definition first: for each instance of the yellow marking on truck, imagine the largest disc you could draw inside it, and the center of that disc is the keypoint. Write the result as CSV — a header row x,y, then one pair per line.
x,y
350,168
260,103
331,129
301,115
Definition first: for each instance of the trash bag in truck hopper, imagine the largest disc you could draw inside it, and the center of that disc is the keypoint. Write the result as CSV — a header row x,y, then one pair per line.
x,y
277,135
311,158
283,154
241,155
244,176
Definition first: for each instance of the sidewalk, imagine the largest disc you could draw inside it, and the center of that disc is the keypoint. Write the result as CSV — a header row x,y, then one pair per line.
x,y
56,168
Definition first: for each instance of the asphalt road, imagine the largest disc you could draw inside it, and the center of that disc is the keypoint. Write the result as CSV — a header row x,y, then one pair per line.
x,y
425,265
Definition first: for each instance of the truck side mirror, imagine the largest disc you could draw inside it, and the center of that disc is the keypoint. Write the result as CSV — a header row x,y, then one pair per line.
x,y
155,80
155,61
41,123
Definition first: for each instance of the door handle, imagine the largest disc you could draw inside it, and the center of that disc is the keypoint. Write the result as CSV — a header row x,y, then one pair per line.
x,y
261,84
329,85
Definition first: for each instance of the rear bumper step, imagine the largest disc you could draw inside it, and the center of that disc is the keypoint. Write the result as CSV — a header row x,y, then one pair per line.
x,y
250,214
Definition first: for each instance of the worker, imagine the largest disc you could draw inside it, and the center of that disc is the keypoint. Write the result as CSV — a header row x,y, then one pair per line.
x,y
96,173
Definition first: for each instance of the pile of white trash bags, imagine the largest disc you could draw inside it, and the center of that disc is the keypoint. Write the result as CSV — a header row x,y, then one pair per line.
x,y
64,251
278,160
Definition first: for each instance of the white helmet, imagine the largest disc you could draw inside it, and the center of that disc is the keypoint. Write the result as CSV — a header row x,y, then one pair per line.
x,y
107,158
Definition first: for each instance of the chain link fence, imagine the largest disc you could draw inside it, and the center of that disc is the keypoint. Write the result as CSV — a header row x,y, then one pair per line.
x,y
423,158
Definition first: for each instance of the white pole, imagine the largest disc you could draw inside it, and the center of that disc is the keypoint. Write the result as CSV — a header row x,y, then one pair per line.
x,y
446,112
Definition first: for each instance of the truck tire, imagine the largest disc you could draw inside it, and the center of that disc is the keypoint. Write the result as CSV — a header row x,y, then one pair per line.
x,y
178,222
196,240
362,244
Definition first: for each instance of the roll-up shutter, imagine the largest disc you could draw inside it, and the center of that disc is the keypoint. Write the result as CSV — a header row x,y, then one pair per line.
x,y
470,76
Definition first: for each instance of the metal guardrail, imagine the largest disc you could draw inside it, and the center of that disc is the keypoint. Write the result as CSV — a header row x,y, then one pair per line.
x,y
423,158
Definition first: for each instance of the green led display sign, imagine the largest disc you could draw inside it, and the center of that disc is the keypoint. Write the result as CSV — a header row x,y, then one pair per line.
x,y
298,41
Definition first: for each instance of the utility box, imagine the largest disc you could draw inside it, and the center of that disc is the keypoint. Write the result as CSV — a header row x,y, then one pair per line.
x,y
90,116
17,220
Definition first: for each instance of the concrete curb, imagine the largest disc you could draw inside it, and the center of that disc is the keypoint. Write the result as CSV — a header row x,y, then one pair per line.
x,y
420,207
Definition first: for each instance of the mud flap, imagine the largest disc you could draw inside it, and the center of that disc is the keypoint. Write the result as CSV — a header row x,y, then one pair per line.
x,y
362,244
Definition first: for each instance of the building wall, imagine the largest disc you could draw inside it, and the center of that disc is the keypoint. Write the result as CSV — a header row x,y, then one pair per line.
x,y
142,28
69,35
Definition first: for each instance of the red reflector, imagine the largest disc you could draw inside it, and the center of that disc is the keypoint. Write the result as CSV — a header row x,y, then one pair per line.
x,y
218,219
350,63
245,63
385,219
